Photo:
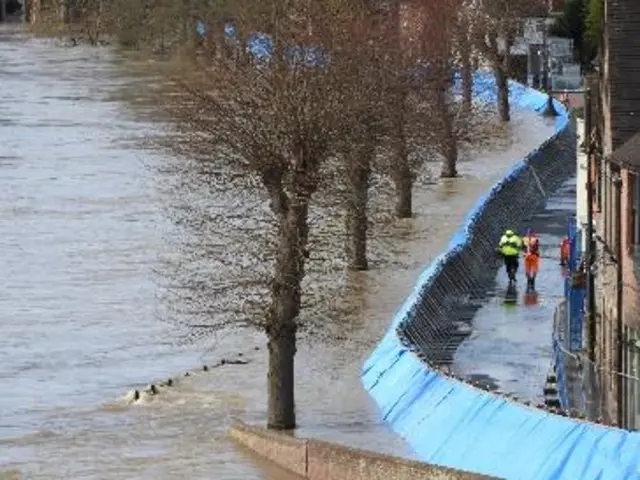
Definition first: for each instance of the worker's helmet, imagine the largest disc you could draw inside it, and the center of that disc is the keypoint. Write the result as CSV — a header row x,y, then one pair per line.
x,y
509,233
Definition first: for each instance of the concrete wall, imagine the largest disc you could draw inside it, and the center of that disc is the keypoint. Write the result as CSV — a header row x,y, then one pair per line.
x,y
318,460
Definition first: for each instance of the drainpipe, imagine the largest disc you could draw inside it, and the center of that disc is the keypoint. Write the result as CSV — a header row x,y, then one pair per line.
x,y
590,317
617,182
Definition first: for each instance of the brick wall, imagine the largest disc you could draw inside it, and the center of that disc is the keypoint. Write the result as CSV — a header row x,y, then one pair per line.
x,y
621,72
619,95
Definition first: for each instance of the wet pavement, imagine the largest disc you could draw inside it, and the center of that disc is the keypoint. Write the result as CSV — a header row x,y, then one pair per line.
x,y
510,348
87,229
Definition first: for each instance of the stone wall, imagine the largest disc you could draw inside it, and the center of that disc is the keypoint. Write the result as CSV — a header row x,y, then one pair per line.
x,y
317,460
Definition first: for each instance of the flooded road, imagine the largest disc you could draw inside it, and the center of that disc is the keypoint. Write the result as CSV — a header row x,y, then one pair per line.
x,y
85,232
510,347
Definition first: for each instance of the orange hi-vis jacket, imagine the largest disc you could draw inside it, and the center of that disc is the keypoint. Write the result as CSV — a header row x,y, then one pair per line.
x,y
531,255
564,250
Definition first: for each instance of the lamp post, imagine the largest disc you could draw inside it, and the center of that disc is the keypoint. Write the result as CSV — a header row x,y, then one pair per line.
x,y
545,58
590,148
550,110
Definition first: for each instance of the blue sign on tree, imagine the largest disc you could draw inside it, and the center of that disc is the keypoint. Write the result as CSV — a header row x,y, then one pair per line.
x,y
201,28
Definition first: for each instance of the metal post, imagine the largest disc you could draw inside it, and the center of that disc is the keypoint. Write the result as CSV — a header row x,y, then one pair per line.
x,y
545,61
550,110
590,317
617,182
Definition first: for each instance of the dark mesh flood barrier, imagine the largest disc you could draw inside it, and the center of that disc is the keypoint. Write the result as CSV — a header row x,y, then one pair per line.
x,y
442,316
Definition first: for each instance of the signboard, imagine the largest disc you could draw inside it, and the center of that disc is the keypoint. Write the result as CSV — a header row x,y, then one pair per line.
x,y
533,30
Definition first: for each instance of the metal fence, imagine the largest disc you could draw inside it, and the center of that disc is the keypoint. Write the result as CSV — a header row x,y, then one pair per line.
x,y
590,390
441,317
578,383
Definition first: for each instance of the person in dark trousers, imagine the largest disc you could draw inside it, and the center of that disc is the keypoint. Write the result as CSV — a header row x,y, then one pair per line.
x,y
510,247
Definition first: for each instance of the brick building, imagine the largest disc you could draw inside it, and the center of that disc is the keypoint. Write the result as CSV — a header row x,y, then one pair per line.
x,y
616,181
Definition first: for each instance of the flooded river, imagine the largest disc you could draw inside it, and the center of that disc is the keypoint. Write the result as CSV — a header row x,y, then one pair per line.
x,y
85,229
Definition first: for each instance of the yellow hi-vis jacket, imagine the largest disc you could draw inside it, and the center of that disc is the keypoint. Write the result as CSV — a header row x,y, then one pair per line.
x,y
510,245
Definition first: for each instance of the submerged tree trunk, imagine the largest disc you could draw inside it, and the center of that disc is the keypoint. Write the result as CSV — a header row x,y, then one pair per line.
x,y
357,202
401,171
447,135
281,322
32,11
500,71
449,149
466,74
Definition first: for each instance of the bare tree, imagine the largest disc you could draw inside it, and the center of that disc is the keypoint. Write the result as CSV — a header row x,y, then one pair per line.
x,y
440,24
399,31
283,118
496,26
464,47
437,118
372,112
427,120
157,25
77,21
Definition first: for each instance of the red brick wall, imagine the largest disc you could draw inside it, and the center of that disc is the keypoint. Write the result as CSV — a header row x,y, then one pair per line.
x,y
631,294
619,91
621,72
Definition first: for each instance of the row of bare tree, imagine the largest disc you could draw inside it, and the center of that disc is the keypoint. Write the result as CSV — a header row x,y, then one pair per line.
x,y
347,89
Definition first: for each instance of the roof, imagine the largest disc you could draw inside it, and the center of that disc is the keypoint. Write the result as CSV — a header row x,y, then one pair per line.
x,y
628,155
543,8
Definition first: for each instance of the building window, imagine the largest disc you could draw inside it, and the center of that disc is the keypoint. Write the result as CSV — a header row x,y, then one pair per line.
x,y
636,209
608,205
634,388
632,217
616,217
597,182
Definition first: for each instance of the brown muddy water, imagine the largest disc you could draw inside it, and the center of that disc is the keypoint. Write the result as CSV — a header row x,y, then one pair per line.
x,y
88,229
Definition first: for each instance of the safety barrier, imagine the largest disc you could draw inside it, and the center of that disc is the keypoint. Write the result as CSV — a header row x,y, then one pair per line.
x,y
450,423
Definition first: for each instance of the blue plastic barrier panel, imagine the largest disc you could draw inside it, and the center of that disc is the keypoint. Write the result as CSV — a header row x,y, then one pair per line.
x,y
576,318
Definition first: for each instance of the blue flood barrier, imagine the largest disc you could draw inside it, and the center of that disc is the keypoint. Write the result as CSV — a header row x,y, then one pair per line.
x,y
450,423
576,318
561,380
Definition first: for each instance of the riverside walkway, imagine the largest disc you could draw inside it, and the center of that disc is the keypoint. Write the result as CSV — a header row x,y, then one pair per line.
x,y
510,349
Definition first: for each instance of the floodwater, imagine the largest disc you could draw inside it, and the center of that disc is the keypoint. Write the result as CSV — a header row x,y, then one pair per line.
x,y
86,233
510,347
